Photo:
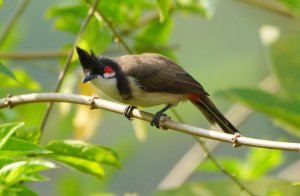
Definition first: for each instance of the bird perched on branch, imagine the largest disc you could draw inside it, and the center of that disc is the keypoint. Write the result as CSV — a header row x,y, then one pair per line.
x,y
148,80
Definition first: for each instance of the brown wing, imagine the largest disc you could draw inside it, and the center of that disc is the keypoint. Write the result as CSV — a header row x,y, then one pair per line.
x,y
156,73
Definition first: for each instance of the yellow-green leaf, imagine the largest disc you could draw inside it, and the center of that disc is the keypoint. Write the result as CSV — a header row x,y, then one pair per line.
x,y
163,7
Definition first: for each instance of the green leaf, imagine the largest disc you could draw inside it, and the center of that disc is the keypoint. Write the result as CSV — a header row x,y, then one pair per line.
x,y
4,161
83,156
257,163
17,190
207,187
293,5
229,163
70,9
4,70
296,184
17,147
160,32
163,7
124,12
29,133
260,161
67,23
6,131
284,111
202,7
22,170
89,167
286,64
35,177
25,82
96,36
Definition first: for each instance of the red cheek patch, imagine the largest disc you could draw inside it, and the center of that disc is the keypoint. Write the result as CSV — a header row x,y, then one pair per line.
x,y
108,69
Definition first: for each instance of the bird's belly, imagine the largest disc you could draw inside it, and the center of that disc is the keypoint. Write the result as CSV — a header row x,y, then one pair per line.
x,y
147,99
139,96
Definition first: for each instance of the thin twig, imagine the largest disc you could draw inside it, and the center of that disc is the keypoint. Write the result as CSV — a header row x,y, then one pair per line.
x,y
118,37
274,6
66,66
219,166
28,55
12,101
213,160
13,20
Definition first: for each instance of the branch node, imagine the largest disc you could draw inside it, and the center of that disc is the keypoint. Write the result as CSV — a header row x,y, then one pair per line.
x,y
163,119
8,102
92,101
235,142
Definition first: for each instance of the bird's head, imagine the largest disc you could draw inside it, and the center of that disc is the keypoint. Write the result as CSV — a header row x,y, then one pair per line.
x,y
94,67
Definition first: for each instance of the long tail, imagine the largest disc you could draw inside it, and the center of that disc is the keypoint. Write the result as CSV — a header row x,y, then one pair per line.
x,y
212,114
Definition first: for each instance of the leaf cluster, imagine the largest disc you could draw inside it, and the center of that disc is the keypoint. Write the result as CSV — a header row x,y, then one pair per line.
x,y
22,158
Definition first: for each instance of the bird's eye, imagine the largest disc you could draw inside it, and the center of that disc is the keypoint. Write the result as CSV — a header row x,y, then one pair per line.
x,y
108,70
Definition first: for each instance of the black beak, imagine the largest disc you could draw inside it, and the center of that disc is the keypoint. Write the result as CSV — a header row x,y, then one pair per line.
x,y
88,77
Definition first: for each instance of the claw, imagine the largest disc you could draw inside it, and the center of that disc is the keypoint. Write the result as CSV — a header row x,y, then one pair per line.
x,y
158,120
155,120
128,112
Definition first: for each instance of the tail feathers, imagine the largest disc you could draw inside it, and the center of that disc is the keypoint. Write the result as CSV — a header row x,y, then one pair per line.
x,y
213,115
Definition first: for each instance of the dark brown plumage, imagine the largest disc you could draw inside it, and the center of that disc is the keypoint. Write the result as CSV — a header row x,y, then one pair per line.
x,y
156,73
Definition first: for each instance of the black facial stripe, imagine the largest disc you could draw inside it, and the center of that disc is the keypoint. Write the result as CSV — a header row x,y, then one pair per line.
x,y
123,85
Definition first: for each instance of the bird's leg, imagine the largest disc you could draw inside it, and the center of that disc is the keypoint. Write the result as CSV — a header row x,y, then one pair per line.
x,y
156,117
128,112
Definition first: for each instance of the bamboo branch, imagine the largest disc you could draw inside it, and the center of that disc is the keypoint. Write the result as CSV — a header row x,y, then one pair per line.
x,y
94,103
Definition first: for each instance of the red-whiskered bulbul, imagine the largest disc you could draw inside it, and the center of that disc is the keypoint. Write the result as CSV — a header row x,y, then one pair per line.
x,y
147,80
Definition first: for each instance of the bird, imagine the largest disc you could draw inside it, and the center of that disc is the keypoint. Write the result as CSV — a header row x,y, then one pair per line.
x,y
148,79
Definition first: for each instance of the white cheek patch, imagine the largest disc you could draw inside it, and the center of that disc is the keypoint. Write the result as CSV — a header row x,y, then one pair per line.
x,y
109,75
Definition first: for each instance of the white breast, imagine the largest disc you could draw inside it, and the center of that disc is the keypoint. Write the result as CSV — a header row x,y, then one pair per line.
x,y
107,87
139,97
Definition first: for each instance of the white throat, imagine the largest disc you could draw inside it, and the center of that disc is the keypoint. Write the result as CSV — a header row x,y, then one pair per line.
x,y
108,86
109,75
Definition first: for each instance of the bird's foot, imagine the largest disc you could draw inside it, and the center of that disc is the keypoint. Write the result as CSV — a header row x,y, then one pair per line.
x,y
128,112
235,142
158,120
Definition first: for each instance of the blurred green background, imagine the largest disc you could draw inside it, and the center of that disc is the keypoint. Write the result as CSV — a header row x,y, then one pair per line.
x,y
224,51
